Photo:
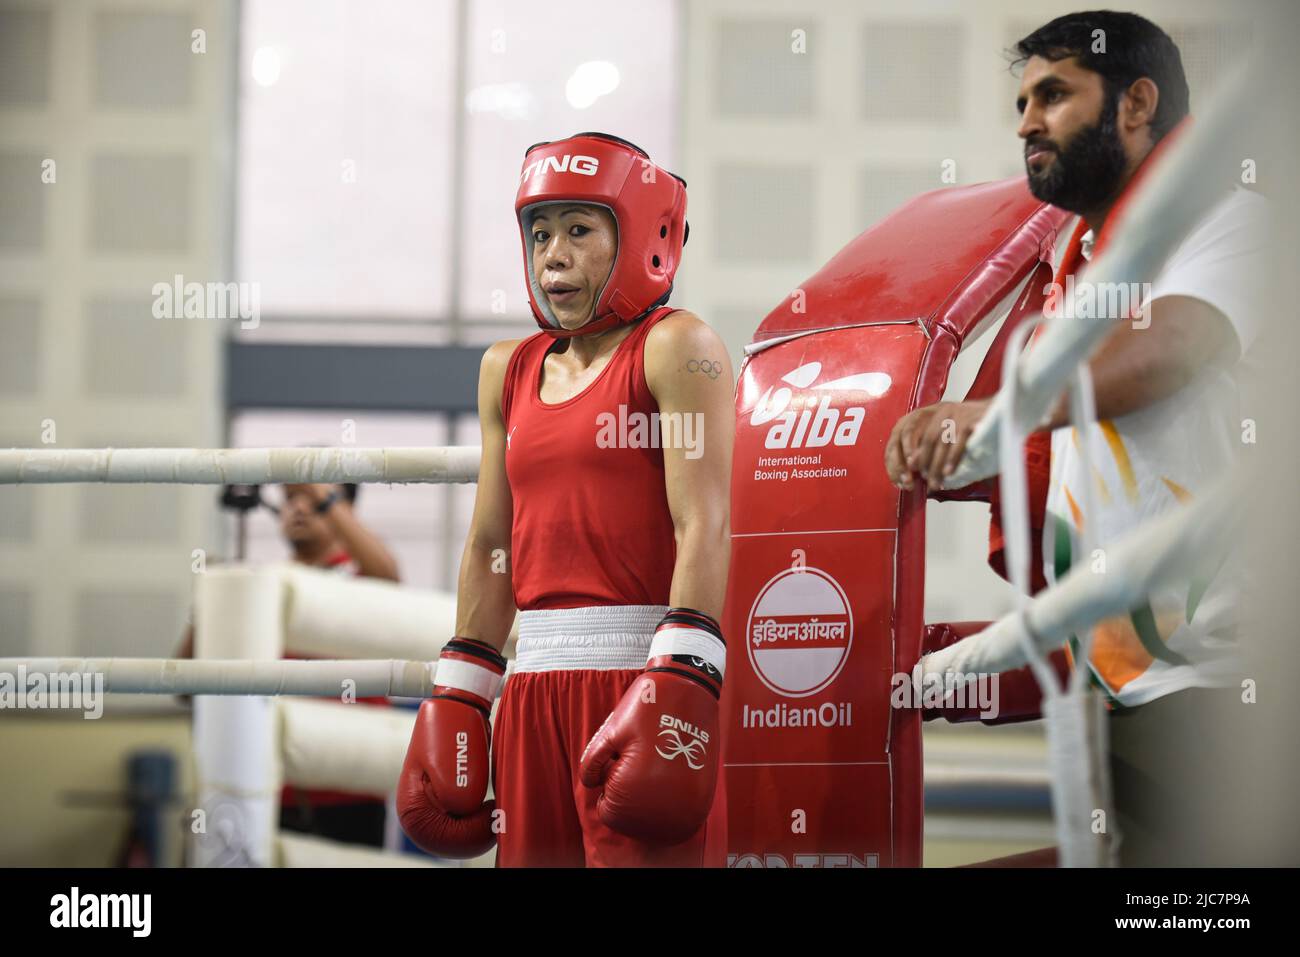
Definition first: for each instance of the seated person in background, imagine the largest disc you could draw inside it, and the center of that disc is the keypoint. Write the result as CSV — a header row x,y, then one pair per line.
x,y
318,523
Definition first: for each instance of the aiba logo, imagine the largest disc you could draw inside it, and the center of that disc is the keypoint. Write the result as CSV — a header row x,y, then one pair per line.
x,y
800,631
818,423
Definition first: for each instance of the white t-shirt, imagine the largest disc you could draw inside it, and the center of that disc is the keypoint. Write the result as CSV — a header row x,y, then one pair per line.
x,y
1161,457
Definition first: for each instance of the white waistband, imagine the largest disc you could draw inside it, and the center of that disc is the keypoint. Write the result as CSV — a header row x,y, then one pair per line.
x,y
596,637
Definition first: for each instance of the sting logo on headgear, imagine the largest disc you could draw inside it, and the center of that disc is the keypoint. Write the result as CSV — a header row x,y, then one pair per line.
x,y
582,165
649,208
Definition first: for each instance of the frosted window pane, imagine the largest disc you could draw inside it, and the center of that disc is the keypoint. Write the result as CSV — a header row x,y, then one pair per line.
x,y
332,92
525,74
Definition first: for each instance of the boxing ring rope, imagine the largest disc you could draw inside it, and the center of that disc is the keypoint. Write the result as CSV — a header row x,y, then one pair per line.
x,y
367,679
307,743
245,746
246,742
1177,547
442,464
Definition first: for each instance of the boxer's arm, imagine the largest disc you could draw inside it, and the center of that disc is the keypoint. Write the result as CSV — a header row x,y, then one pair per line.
x,y
689,374
485,603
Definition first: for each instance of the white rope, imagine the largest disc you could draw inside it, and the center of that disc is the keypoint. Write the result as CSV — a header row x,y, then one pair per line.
x,y
441,464
364,679
1074,715
1187,185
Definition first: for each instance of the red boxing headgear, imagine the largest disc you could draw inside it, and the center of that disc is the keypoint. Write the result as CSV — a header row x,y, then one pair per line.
x,y
649,207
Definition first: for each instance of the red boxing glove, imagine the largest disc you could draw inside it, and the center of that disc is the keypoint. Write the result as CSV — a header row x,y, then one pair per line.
x,y
655,758
440,795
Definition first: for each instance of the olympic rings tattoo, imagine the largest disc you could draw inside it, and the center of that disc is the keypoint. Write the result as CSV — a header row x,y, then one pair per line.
x,y
709,367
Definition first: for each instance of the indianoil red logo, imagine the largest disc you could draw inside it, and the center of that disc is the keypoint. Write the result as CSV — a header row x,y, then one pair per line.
x,y
800,631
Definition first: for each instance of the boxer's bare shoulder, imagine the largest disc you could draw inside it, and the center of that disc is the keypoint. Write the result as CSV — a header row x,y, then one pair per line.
x,y
683,347
496,359
491,381
678,325
492,370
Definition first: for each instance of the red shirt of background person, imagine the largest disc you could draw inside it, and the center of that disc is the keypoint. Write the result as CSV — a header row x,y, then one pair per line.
x,y
601,536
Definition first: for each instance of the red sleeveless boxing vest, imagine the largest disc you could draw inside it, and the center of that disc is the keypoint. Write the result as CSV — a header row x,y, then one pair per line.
x,y
591,521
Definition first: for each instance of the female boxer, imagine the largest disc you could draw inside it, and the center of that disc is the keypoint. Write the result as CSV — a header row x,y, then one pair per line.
x,y
602,515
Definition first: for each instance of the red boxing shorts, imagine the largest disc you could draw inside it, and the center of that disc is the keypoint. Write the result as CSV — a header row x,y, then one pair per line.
x,y
572,666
